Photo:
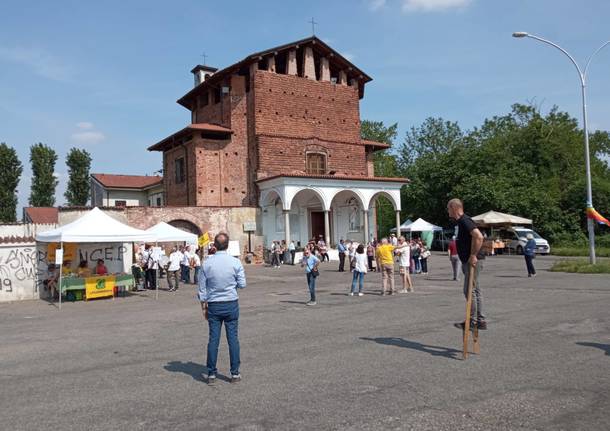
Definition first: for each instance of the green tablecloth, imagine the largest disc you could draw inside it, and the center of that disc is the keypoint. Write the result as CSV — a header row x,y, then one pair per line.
x,y
78,283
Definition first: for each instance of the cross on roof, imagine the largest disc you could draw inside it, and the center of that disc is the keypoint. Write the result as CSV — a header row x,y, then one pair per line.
x,y
313,26
204,57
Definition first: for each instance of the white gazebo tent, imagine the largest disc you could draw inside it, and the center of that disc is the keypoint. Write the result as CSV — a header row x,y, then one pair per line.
x,y
421,225
165,232
93,227
494,218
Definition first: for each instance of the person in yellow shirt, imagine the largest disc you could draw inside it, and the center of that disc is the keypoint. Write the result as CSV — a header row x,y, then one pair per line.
x,y
83,271
66,268
385,262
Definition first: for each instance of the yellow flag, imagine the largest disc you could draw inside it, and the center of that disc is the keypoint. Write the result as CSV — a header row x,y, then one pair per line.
x,y
204,240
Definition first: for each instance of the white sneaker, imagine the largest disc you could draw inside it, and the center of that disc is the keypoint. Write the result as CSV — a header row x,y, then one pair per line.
x,y
351,294
360,294
312,303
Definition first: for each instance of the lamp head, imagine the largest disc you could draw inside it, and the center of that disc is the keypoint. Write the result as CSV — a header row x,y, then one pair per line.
x,y
520,34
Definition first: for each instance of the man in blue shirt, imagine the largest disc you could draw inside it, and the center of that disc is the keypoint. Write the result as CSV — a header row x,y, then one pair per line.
x,y
220,277
342,249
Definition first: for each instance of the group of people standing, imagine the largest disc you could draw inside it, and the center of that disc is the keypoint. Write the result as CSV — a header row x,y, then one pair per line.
x,y
178,263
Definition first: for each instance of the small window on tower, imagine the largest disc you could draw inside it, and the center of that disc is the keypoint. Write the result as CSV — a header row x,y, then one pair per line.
x,y
179,167
205,98
316,163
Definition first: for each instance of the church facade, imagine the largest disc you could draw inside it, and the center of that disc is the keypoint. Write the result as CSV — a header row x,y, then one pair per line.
x,y
279,132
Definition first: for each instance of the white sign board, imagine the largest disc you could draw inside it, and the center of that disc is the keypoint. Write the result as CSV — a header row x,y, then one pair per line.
x,y
234,249
250,226
59,256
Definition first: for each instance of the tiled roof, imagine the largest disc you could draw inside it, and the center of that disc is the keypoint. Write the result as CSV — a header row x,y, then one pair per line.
x,y
375,143
174,139
127,181
337,177
44,215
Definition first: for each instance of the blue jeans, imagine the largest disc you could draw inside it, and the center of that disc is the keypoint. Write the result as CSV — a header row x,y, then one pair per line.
x,y
357,276
311,283
219,312
185,274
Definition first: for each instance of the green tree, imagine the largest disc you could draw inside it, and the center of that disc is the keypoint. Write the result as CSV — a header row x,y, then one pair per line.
x,y
11,169
43,159
385,166
79,163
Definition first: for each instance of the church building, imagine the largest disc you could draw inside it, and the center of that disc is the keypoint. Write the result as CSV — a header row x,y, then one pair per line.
x,y
279,131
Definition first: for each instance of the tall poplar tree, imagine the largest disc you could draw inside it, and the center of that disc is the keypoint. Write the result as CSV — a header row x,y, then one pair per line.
x,y
11,169
79,163
43,160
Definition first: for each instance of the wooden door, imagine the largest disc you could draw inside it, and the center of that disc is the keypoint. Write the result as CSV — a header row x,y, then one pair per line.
x,y
317,224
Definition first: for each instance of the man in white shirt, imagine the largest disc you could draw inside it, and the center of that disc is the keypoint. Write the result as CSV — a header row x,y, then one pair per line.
x,y
403,251
292,249
196,261
185,264
175,258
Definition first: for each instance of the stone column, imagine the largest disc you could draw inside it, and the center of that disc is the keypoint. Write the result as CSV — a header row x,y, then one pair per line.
x,y
291,63
327,227
398,223
309,67
365,214
324,69
287,226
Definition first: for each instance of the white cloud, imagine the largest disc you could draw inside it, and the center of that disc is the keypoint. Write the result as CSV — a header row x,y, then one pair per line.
x,y
433,5
84,125
86,134
40,62
375,5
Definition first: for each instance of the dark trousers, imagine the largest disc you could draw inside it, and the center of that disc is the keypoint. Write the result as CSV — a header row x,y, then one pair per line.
x,y
218,313
341,262
325,256
424,264
529,262
292,253
185,274
371,259
151,279
476,309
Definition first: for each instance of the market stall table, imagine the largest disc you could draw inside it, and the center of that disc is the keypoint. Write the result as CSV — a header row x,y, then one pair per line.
x,y
98,286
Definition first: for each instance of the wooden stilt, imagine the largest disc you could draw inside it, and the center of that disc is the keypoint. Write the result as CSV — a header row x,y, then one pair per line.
x,y
475,332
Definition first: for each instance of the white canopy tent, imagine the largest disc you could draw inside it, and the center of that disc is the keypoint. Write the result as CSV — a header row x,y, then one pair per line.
x,y
165,232
93,227
420,225
494,218
402,226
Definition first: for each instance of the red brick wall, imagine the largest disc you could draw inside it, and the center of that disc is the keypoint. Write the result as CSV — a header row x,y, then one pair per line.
x,y
221,166
292,106
175,194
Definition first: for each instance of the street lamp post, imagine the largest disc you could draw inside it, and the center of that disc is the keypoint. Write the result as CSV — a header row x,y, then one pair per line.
x,y
582,74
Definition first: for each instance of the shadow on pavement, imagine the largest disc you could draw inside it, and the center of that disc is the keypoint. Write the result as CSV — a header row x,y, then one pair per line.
x,y
196,371
604,347
414,345
294,302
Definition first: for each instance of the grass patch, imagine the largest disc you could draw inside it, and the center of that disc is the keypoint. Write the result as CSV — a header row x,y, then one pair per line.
x,y
581,267
579,251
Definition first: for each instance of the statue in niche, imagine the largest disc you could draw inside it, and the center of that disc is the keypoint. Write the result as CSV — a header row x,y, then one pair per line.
x,y
279,216
353,216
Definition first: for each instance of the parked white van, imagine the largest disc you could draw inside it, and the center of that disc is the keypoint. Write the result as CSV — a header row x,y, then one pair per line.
x,y
516,237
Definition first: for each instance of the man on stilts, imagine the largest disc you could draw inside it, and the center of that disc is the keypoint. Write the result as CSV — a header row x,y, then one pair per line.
x,y
469,242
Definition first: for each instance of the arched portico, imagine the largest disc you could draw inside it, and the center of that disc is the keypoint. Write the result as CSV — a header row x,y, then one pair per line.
x,y
298,208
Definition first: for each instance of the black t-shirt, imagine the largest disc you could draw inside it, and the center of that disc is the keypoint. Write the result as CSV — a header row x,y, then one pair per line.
x,y
464,238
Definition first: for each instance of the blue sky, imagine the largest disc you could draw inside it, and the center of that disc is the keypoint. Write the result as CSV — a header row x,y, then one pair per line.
x,y
105,76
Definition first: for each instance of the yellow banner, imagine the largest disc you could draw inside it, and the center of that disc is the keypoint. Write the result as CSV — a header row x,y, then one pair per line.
x,y
204,240
69,251
99,287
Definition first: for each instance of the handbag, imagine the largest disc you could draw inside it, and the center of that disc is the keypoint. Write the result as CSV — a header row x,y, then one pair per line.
x,y
426,254
314,272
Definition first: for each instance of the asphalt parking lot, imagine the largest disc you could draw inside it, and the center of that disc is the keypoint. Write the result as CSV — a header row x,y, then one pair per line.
x,y
365,363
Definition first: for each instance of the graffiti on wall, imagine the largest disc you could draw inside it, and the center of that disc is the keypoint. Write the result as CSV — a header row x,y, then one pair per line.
x,y
18,264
